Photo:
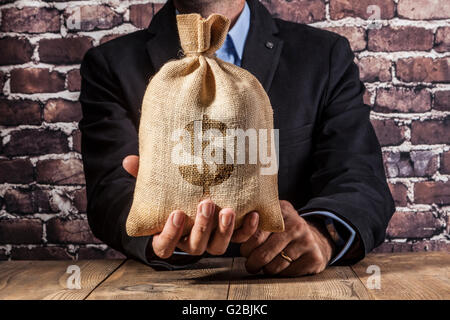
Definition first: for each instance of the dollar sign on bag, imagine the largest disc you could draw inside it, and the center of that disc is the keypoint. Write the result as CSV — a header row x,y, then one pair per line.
x,y
210,174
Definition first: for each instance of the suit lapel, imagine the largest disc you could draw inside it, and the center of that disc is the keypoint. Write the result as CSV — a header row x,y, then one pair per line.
x,y
164,44
262,48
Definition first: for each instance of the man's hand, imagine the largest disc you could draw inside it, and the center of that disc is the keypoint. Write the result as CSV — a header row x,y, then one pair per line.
x,y
306,242
205,235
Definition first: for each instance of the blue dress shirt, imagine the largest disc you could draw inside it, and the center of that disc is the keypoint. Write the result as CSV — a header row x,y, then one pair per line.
x,y
232,51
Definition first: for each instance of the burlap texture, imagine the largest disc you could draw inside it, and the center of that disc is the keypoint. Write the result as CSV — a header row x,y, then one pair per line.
x,y
200,87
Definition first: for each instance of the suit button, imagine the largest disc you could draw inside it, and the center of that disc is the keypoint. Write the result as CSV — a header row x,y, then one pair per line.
x,y
269,45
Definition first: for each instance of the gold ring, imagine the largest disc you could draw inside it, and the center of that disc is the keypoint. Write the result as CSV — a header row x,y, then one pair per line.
x,y
286,257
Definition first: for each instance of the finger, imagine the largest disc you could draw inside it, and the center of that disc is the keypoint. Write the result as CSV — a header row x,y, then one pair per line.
x,y
266,252
164,243
198,239
286,208
131,165
255,241
278,264
308,263
248,228
221,238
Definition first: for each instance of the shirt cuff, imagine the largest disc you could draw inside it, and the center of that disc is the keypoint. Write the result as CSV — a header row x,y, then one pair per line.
x,y
335,219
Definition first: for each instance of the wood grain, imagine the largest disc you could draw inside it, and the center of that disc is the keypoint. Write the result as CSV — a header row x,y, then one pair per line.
x,y
333,283
207,279
403,276
36,280
419,275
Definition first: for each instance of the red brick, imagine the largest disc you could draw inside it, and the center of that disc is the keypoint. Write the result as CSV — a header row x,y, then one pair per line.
x,y
424,69
430,192
413,225
157,7
442,39
415,246
424,9
15,50
60,110
35,142
16,171
430,132
40,253
19,201
36,80
374,69
76,141
30,20
431,245
442,100
397,99
91,253
424,163
388,132
448,224
74,80
399,193
141,15
20,231
28,200
389,247
69,231
64,51
355,35
110,37
80,199
2,82
340,9
303,11
92,17
367,97
445,163
42,202
400,39
414,164
17,112
57,171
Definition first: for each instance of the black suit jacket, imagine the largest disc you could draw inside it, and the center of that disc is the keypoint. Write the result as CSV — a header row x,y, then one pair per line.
x,y
330,158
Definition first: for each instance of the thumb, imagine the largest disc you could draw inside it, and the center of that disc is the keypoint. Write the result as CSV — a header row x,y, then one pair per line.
x,y
131,165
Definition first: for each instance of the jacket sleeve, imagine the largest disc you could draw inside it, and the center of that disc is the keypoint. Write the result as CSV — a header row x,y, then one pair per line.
x,y
348,177
108,135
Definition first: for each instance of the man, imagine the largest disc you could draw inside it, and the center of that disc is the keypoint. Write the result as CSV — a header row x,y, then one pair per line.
x,y
334,197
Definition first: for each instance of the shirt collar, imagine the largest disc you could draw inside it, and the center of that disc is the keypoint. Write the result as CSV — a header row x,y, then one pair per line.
x,y
238,33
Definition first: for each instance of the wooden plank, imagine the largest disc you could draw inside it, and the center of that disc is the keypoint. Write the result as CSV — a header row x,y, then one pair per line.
x,y
35,280
333,283
418,275
207,279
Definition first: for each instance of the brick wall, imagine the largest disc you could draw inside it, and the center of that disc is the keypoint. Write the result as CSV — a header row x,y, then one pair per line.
x,y
404,61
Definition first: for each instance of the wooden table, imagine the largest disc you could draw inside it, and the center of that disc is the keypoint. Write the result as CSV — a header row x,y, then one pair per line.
x,y
403,276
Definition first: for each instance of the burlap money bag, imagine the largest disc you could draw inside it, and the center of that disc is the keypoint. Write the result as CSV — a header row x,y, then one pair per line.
x,y
194,94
